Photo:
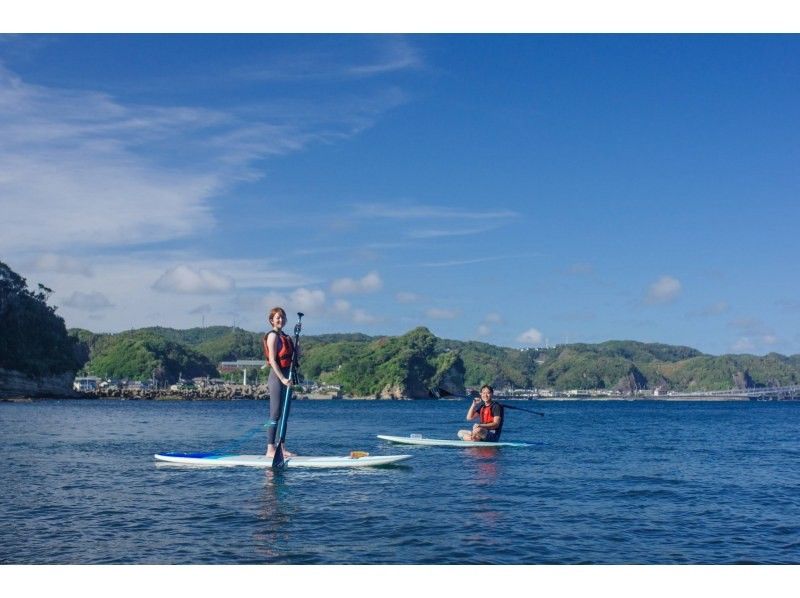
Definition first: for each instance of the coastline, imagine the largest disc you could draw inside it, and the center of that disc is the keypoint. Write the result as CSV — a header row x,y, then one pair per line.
x,y
261,394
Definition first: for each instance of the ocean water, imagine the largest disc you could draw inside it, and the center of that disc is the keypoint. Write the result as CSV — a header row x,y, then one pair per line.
x,y
606,482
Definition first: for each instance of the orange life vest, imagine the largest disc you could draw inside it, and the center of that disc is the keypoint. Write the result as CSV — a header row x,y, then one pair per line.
x,y
284,348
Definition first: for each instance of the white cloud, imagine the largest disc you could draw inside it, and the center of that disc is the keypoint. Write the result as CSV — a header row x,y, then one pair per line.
x,y
360,316
52,262
664,290
406,297
94,301
434,233
340,306
580,269
743,345
466,262
308,301
83,168
347,286
415,211
394,55
441,314
752,327
386,54
751,344
188,280
484,329
343,309
790,305
530,337
715,309
71,174
126,280
493,318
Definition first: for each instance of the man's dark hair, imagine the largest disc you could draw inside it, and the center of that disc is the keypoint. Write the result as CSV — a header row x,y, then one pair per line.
x,y
491,390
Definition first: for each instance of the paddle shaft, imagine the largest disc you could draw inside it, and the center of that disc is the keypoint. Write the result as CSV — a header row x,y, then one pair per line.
x,y
522,409
443,391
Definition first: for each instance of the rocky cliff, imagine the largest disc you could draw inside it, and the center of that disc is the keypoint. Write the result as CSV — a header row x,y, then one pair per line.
x,y
16,384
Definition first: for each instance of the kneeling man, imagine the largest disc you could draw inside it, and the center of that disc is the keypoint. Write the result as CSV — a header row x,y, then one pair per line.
x,y
490,418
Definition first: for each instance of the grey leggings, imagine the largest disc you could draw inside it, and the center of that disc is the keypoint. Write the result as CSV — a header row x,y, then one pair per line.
x,y
276,393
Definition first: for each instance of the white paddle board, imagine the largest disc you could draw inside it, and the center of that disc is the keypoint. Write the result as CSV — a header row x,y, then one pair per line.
x,y
214,460
418,440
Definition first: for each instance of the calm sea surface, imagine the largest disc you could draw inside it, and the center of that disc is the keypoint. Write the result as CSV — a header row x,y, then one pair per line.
x,y
607,482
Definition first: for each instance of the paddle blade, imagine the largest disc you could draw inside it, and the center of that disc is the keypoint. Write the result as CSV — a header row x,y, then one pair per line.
x,y
278,461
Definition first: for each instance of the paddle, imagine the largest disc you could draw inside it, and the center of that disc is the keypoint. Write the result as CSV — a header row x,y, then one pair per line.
x,y
278,461
439,392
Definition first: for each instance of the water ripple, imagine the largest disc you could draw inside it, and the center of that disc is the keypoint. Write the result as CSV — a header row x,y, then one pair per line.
x,y
606,483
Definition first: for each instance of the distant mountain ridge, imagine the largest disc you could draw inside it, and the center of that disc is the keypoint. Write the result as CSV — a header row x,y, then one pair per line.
x,y
409,364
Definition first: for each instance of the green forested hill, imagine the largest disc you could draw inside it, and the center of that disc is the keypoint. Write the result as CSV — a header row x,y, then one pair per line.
x,y
417,360
33,338
142,354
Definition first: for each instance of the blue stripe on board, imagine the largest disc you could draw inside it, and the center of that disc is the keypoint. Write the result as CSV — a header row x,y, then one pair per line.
x,y
194,455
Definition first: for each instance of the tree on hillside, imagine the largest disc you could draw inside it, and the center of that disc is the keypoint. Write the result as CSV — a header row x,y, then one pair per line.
x,y
33,339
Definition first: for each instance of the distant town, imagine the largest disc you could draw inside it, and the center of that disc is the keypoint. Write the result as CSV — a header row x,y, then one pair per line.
x,y
255,388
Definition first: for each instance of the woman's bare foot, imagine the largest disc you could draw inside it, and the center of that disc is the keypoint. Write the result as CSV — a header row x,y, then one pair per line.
x,y
271,453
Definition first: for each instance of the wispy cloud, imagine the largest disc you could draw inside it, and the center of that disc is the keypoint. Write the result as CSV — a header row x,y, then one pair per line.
x,y
336,62
576,316
197,281
70,171
361,316
532,336
437,313
85,169
664,290
315,302
755,335
433,233
789,305
415,211
406,297
308,301
580,269
229,289
370,283
750,326
714,309
53,262
750,344
448,263
90,302
485,327
493,318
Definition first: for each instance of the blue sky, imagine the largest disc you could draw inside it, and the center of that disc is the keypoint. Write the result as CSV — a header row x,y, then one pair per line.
x,y
521,190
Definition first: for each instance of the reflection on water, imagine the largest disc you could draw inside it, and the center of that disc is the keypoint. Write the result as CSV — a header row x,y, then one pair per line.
x,y
271,537
485,463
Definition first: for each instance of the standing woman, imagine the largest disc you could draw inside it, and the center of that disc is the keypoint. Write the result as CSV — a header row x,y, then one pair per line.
x,y
278,349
